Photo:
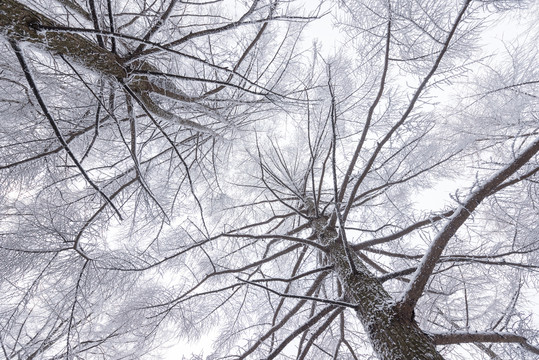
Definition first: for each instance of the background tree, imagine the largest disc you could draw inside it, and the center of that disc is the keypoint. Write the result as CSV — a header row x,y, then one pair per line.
x,y
114,117
150,189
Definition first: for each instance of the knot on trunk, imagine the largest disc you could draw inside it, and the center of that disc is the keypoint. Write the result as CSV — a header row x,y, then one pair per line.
x,y
403,312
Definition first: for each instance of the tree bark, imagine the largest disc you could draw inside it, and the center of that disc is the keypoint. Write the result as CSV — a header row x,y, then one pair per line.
x,y
392,336
20,23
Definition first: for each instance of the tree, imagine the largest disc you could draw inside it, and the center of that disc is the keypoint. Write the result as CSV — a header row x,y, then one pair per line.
x,y
166,182
114,116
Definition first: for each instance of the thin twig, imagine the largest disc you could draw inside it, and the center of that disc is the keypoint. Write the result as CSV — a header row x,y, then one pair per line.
x,y
340,220
327,301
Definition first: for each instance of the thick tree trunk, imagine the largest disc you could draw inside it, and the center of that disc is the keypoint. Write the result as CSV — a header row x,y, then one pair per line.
x,y
19,23
392,336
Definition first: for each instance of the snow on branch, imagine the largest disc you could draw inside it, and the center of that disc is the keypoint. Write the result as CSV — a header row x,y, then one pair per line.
x,y
433,219
417,284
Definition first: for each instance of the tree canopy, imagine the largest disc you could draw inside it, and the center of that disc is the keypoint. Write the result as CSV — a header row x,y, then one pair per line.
x,y
220,172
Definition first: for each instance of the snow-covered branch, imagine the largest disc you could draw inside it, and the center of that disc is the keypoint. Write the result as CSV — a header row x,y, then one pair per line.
x,y
416,286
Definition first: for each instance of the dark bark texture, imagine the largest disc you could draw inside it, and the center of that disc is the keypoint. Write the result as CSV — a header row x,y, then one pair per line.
x,y
392,336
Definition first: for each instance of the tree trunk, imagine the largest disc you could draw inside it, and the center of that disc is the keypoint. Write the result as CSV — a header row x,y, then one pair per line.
x,y
20,23
393,337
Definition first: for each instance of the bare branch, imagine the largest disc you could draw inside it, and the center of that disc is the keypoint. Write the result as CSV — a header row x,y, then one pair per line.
x,y
492,337
327,301
282,237
296,277
403,232
340,220
313,320
276,326
323,327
